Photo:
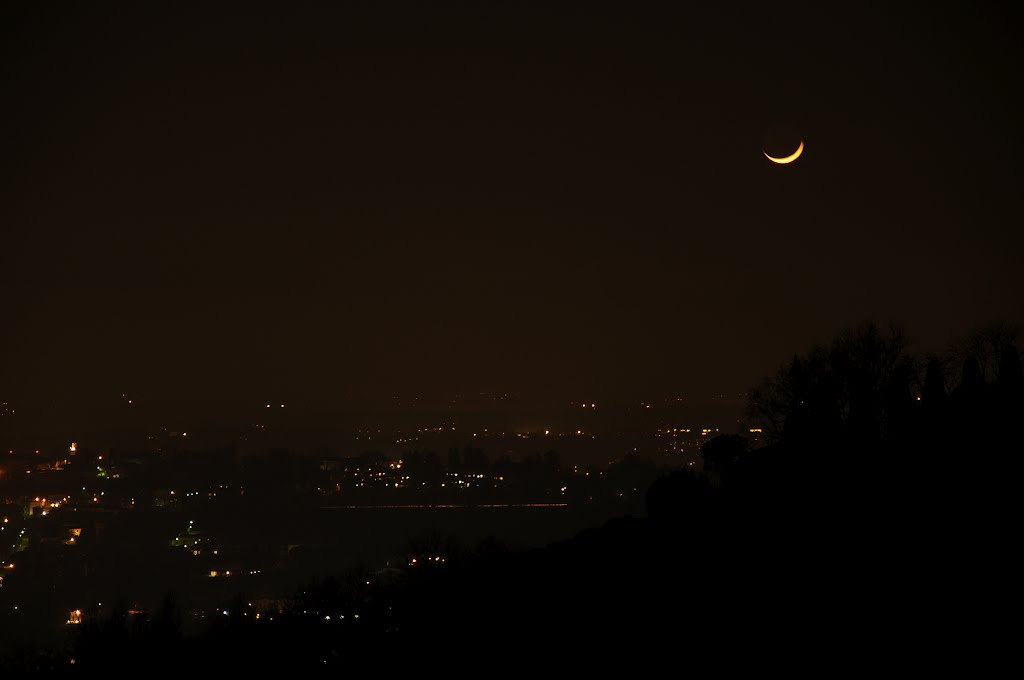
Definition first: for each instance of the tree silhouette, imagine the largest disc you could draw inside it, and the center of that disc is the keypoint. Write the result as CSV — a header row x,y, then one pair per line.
x,y
987,347
721,453
933,388
854,392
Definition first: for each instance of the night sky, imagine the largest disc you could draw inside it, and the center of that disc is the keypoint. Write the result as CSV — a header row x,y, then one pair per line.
x,y
339,205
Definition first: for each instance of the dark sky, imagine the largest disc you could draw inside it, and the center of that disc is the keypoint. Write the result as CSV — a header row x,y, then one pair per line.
x,y
340,204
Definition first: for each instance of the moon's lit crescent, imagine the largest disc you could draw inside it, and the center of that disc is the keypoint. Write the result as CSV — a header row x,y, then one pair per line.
x,y
787,159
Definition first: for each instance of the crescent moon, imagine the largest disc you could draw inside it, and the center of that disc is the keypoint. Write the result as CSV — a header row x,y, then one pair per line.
x,y
787,159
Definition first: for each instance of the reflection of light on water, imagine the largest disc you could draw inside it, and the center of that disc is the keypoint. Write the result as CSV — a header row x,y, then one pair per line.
x,y
444,505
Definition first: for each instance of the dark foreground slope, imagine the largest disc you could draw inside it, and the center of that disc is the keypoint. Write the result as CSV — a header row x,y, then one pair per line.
x,y
702,581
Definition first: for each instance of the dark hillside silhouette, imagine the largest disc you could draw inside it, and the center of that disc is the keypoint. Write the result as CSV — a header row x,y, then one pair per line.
x,y
874,523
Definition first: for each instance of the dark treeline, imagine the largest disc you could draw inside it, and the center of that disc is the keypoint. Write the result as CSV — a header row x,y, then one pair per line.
x,y
873,527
